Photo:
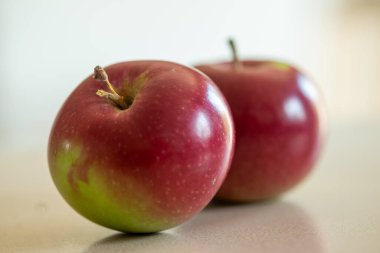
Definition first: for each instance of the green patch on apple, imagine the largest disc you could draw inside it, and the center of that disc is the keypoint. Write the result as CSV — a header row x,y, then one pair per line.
x,y
132,87
281,66
93,199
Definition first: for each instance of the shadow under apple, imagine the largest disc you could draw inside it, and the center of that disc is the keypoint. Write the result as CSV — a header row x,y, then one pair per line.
x,y
273,226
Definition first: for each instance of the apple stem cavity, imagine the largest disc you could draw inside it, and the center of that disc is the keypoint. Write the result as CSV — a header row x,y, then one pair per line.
x,y
101,75
235,59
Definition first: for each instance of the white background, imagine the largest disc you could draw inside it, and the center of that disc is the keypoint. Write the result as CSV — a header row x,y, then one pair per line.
x,y
48,47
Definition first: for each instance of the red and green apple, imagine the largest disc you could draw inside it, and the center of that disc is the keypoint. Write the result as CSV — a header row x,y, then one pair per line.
x,y
147,154
280,126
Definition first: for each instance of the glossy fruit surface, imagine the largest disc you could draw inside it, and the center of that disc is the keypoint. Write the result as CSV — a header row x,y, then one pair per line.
x,y
280,127
148,167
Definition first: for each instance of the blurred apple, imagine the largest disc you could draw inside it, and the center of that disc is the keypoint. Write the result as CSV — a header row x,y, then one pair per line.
x,y
280,126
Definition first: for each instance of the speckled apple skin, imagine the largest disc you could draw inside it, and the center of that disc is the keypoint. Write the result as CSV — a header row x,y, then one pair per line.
x,y
149,167
280,127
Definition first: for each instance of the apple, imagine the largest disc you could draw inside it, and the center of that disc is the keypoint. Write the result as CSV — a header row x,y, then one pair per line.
x,y
279,118
147,154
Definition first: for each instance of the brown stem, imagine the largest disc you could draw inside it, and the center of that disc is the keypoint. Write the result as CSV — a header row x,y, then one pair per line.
x,y
235,59
101,75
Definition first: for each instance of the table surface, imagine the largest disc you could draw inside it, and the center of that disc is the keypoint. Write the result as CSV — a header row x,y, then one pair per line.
x,y
337,209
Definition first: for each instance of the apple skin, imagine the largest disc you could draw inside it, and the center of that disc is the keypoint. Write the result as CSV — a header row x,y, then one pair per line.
x,y
149,167
280,127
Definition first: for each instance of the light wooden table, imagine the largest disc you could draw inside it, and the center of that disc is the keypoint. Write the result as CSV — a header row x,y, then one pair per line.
x,y
337,209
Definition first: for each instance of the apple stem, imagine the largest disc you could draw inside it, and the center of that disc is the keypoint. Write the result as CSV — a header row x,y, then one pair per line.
x,y
101,75
235,59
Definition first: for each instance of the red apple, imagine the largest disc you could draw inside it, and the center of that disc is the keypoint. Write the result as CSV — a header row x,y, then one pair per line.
x,y
280,126
148,154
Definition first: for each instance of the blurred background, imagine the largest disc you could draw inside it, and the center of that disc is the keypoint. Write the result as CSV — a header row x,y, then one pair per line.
x,y
48,47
